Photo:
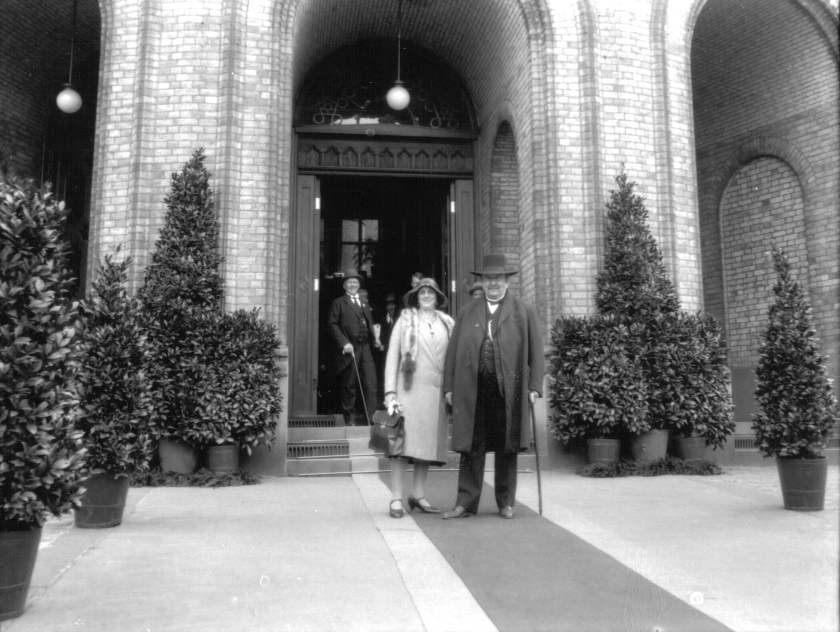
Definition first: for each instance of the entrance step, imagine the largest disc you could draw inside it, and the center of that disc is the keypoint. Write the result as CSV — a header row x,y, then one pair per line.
x,y
318,450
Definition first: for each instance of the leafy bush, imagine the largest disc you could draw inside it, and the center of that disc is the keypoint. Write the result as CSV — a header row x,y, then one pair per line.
x,y
797,408
686,371
115,394
42,455
181,281
234,379
595,379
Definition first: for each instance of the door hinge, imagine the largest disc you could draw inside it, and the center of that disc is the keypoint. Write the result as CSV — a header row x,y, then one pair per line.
x,y
454,283
316,284
317,204
452,205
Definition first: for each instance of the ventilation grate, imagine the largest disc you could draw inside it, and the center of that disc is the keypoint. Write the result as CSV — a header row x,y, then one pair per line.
x,y
748,443
313,421
318,449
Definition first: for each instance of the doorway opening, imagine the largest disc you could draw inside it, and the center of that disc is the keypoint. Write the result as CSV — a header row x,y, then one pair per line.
x,y
386,228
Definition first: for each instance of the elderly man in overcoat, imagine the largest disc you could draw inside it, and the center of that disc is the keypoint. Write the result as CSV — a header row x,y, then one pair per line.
x,y
350,323
494,373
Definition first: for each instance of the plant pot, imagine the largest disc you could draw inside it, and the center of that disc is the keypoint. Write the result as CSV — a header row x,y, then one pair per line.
x,y
690,448
603,450
103,503
177,456
222,458
18,550
803,482
649,446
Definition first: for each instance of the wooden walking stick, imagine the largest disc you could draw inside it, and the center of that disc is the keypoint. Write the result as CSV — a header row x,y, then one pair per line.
x,y
361,388
537,452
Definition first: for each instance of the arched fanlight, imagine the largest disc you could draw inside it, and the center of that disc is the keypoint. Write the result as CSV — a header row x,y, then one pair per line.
x,y
68,100
398,97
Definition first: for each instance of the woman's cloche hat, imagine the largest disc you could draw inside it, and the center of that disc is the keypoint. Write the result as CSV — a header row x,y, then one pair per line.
x,y
495,263
411,299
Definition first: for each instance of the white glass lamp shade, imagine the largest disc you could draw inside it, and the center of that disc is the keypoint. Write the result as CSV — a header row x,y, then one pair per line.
x,y
398,97
68,100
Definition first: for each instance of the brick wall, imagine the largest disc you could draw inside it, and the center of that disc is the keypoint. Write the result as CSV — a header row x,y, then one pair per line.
x,y
763,205
758,96
504,200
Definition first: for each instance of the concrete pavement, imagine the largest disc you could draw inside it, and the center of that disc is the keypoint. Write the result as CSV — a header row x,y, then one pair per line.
x,y
303,554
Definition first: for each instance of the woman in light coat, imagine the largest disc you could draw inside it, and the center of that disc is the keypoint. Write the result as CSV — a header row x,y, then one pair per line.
x,y
413,379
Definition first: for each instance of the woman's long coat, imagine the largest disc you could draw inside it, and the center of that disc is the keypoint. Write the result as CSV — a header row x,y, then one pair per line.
x,y
520,367
419,391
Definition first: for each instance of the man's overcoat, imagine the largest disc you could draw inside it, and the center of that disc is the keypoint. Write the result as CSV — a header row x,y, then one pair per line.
x,y
518,347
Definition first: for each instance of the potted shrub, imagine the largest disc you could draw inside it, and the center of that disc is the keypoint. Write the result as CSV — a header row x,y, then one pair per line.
x,y
181,282
236,395
42,456
115,396
687,373
796,406
634,286
595,383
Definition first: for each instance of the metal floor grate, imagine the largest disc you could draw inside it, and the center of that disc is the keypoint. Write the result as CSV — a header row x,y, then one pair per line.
x,y
318,449
748,443
313,421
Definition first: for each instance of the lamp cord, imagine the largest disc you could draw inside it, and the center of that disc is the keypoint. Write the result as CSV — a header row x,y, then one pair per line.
x,y
399,36
72,42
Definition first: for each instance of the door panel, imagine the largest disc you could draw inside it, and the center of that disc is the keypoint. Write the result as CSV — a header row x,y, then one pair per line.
x,y
461,243
303,296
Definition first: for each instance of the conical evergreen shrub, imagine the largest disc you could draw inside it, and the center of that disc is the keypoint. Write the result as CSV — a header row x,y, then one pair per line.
x,y
634,283
797,408
181,281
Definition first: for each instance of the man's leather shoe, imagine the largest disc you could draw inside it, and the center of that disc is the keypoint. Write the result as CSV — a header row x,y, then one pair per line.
x,y
458,512
507,513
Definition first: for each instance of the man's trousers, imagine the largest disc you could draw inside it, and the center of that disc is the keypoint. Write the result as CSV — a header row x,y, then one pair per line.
x,y
489,435
349,383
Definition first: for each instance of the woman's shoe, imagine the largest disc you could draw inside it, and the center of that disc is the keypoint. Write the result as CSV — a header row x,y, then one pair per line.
x,y
396,513
414,503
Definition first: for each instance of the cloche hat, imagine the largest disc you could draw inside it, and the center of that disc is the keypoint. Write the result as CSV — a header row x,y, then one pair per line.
x,y
425,282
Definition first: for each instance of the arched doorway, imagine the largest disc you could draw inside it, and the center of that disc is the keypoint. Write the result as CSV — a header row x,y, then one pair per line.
x,y
386,192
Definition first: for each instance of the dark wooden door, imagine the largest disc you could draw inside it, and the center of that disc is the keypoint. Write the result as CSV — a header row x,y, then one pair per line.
x,y
303,297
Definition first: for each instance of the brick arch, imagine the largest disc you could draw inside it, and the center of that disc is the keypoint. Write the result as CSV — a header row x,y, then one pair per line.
x,y
713,195
763,205
504,220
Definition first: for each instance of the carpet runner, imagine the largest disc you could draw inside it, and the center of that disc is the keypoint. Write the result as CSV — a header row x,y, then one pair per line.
x,y
529,574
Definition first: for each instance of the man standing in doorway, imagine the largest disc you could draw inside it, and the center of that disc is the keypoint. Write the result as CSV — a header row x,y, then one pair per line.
x,y
350,324
494,373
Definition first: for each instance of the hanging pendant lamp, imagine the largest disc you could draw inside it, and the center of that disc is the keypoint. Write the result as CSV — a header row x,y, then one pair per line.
x,y
398,97
68,100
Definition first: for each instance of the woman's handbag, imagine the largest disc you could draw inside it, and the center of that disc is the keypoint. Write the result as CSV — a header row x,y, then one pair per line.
x,y
387,433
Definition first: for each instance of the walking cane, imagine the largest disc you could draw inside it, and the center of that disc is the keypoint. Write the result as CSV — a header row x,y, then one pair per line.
x,y
537,452
361,388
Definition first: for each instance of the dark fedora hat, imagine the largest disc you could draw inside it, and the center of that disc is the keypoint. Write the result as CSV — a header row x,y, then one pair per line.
x,y
411,298
351,273
495,263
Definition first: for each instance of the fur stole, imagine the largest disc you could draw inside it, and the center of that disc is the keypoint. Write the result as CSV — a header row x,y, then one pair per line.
x,y
410,317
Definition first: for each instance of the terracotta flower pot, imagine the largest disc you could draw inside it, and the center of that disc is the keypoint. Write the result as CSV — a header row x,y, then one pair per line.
x,y
603,450
222,458
177,456
690,448
649,446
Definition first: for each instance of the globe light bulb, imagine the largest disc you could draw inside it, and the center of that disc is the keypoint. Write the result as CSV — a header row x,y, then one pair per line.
x,y
68,100
398,97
